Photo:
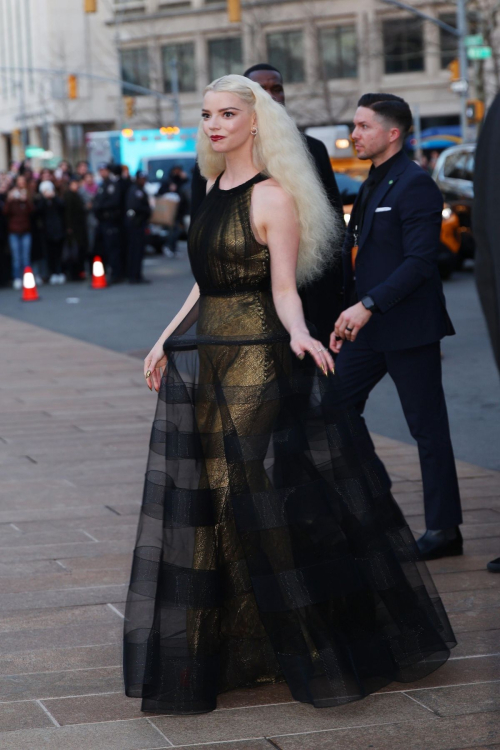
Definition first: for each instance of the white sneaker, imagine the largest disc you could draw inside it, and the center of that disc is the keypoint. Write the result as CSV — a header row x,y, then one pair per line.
x,y
167,252
17,284
61,279
54,279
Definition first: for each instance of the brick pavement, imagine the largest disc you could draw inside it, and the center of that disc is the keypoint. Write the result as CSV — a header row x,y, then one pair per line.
x,y
74,425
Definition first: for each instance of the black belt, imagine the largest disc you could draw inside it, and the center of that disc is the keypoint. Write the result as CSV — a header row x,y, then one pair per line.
x,y
248,289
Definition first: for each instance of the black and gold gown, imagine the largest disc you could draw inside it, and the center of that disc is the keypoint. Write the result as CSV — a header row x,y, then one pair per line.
x,y
269,545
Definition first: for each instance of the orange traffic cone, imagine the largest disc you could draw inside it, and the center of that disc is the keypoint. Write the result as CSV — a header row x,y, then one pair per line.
x,y
30,292
98,275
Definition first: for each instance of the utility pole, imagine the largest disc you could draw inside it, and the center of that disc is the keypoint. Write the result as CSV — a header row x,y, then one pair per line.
x,y
462,57
418,133
462,85
174,76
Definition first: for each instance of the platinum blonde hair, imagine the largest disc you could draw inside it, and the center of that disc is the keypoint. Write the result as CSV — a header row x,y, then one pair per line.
x,y
279,150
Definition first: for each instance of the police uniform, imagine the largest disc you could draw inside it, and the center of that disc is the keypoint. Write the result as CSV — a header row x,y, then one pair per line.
x,y
137,214
108,212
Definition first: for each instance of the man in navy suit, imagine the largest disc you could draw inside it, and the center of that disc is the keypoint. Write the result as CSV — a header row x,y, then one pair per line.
x,y
395,312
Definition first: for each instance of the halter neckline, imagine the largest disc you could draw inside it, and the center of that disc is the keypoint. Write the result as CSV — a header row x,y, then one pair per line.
x,y
259,177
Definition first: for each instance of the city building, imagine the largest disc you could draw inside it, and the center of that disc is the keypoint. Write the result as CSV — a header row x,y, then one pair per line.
x,y
329,51
40,42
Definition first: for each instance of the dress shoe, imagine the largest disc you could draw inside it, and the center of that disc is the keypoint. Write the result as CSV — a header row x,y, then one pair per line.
x,y
494,566
441,543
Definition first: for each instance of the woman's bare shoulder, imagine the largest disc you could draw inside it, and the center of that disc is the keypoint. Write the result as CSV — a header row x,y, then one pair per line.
x,y
270,194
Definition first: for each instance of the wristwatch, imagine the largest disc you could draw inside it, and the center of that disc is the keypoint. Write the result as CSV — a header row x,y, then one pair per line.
x,y
369,304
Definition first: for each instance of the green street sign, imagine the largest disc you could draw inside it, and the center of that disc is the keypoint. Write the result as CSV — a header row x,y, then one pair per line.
x,y
478,53
33,151
474,40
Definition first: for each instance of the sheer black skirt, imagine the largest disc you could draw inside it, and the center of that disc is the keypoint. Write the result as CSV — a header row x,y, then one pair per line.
x,y
269,545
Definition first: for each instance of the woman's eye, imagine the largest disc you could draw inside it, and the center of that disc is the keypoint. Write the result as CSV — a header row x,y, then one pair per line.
x,y
205,116
230,114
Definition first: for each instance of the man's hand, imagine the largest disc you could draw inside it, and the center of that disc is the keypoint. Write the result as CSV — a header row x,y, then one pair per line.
x,y
350,322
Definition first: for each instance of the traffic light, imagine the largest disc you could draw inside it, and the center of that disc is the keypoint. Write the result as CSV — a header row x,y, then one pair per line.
x,y
72,87
234,11
90,6
129,105
474,111
454,68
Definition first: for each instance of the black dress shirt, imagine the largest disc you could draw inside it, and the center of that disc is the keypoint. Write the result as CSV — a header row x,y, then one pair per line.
x,y
375,177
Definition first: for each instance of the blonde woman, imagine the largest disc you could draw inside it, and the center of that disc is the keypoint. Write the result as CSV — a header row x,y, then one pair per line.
x,y
269,546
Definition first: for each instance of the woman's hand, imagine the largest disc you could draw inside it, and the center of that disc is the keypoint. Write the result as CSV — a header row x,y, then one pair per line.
x,y
302,344
153,363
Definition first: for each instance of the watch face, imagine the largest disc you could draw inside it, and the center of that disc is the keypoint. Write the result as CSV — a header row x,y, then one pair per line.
x,y
368,303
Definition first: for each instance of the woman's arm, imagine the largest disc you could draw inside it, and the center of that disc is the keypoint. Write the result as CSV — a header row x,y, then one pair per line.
x,y
156,358
276,223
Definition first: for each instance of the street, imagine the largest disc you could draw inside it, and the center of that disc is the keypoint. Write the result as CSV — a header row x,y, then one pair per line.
x,y
74,425
130,319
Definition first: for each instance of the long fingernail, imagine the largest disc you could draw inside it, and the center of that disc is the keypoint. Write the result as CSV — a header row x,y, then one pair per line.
x,y
300,356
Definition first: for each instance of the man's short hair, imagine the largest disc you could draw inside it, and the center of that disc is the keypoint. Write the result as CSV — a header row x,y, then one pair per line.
x,y
391,108
261,66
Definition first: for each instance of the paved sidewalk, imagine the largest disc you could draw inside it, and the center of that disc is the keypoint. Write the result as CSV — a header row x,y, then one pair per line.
x,y
74,428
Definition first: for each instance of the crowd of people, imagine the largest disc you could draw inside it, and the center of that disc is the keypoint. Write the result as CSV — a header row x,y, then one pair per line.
x,y
57,220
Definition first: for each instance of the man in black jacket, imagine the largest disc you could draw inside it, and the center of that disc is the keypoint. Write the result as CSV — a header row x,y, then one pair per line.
x,y
486,226
322,299
396,311
137,214
108,212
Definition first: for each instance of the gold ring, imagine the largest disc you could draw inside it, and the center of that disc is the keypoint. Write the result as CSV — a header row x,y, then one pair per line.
x,y
148,374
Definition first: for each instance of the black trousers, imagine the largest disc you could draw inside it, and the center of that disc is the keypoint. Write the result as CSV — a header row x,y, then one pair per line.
x,y
418,379
112,243
136,240
54,249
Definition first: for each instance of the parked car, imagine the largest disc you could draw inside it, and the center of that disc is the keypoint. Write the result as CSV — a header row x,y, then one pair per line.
x,y
454,174
348,189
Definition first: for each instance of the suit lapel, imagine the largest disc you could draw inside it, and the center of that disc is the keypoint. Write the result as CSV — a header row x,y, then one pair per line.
x,y
380,192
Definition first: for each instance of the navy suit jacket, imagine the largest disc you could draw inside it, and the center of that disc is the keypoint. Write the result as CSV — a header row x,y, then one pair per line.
x,y
397,260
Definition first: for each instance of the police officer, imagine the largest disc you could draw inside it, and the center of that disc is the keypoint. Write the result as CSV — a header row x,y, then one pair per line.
x,y
137,214
108,212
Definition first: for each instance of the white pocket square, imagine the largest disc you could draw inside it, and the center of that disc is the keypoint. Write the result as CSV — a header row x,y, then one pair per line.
x,y
383,208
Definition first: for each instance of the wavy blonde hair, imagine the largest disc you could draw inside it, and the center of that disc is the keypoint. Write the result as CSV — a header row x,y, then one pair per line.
x,y
279,150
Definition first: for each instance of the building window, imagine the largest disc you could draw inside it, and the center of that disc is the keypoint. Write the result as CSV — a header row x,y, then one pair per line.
x,y
135,69
403,45
224,57
448,44
338,52
285,50
184,54
124,6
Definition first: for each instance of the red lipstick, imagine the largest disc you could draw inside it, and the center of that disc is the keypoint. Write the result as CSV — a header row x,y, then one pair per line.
x,y
217,137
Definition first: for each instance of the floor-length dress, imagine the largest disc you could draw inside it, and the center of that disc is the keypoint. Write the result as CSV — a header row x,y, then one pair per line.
x,y
269,546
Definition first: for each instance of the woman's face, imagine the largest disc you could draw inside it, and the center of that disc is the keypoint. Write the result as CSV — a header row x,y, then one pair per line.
x,y
21,182
227,121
